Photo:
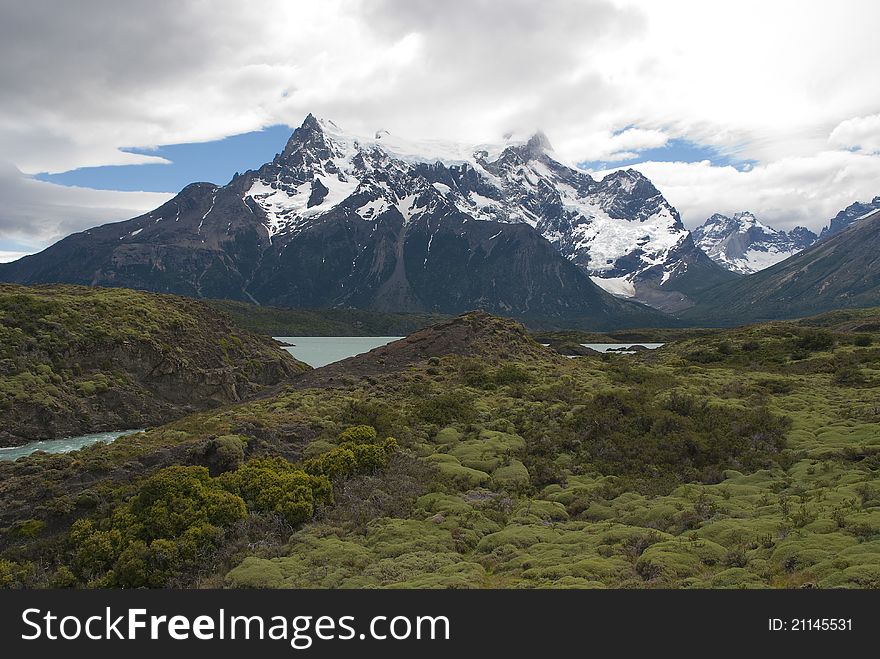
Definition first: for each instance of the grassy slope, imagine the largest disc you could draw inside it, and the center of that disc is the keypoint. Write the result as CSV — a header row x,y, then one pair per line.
x,y
77,359
520,468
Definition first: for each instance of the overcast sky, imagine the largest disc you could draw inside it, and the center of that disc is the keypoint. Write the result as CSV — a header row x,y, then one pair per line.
x,y
767,106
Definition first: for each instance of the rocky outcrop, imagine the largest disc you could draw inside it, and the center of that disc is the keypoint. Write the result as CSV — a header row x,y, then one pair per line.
x,y
475,334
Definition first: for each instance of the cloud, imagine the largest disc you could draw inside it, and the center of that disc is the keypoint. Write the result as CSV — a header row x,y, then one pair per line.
x,y
806,191
82,80
859,133
6,256
626,144
35,213
605,79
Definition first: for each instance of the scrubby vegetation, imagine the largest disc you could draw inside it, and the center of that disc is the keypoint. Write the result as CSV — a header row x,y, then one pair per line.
x,y
173,526
744,458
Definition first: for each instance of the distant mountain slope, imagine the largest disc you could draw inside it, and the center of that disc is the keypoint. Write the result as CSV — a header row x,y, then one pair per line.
x,y
745,245
276,321
848,215
838,272
342,221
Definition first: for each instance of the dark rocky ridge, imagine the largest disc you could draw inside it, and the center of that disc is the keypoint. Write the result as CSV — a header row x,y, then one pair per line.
x,y
849,215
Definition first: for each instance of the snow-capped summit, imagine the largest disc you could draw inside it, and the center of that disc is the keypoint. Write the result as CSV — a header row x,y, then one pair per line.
x,y
619,229
744,244
378,221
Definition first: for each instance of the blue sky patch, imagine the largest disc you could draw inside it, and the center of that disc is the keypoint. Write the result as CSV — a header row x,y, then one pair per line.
x,y
217,161
214,162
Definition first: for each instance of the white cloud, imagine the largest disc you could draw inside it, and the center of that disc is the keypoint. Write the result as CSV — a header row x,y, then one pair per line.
x,y
860,133
36,213
6,257
605,79
623,145
805,190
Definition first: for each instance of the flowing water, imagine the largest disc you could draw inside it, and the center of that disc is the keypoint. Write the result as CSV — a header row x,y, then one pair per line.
x,y
62,445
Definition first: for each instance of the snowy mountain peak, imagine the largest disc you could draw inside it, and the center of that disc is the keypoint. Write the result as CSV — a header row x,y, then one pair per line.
x,y
744,244
747,221
620,228
309,143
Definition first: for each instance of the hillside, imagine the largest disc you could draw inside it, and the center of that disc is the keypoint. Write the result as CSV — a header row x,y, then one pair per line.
x,y
476,335
841,271
743,458
75,360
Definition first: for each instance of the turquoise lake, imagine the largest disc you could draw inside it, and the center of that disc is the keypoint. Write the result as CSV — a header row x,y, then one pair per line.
x,y
317,351
620,347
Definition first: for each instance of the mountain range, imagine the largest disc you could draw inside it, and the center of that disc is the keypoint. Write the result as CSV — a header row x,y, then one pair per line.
x,y
337,220
745,245
379,223
840,271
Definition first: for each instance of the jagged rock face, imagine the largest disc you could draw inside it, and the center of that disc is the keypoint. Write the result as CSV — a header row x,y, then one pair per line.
x,y
744,245
376,223
849,215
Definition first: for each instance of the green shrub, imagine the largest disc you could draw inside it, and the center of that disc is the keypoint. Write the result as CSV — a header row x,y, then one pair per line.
x,y
228,452
511,374
16,575
849,375
175,518
28,528
358,435
351,459
444,408
273,485
815,340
